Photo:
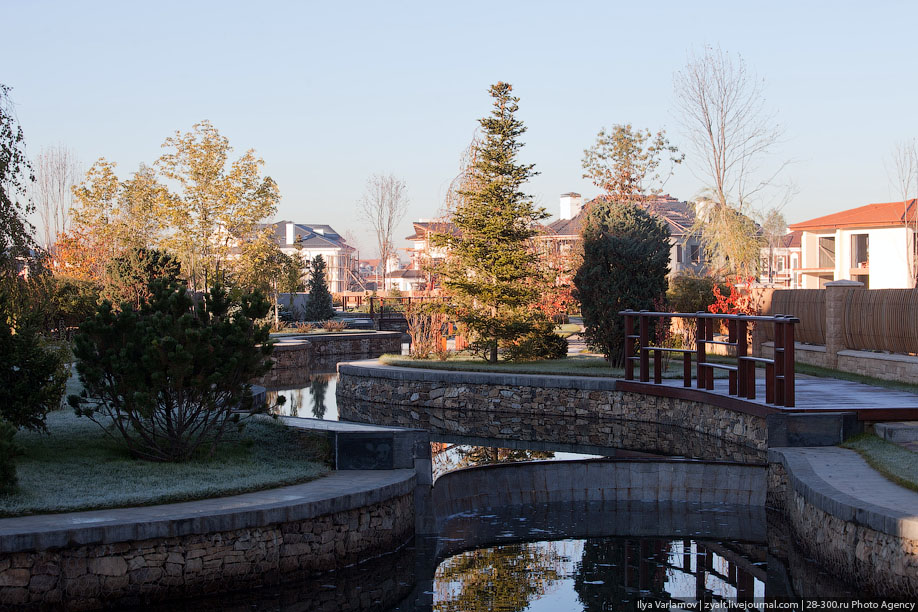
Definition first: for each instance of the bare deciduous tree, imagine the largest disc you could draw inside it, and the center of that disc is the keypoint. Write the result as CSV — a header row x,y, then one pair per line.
x,y
731,133
57,170
383,206
904,175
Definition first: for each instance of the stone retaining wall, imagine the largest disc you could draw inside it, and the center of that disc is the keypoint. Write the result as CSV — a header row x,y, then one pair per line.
x,y
296,357
598,480
869,547
106,573
564,409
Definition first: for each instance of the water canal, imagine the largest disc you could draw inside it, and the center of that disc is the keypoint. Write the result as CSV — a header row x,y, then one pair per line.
x,y
575,555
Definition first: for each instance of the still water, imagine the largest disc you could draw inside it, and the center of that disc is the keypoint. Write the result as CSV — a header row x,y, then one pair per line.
x,y
315,400
523,558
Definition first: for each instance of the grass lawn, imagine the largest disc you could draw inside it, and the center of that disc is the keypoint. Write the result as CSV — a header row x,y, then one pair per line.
x,y
894,462
573,365
78,467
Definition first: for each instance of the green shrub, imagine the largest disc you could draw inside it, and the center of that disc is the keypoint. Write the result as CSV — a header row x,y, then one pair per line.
x,y
168,378
689,293
625,263
32,373
8,452
542,343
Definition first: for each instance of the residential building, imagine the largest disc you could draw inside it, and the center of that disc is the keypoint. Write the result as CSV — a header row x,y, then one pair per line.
x,y
781,262
423,254
686,253
874,244
308,240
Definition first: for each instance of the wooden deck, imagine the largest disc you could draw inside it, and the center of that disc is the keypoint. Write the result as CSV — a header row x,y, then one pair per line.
x,y
812,395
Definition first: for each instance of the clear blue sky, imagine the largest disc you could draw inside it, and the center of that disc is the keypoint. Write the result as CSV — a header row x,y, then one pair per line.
x,y
329,93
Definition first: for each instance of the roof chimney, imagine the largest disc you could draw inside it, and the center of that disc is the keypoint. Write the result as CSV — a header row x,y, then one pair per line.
x,y
571,205
291,233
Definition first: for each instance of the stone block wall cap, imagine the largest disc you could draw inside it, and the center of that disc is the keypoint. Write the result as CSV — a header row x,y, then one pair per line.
x,y
845,283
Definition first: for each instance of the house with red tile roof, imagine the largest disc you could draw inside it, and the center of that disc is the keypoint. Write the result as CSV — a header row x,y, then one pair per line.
x,y
874,244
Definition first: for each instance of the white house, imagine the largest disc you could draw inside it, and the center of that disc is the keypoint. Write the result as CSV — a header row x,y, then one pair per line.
x,y
309,240
873,244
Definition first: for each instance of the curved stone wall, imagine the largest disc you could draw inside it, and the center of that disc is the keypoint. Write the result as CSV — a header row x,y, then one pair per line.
x,y
296,357
134,556
871,545
564,409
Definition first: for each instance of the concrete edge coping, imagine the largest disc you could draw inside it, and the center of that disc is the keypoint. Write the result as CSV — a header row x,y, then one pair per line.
x,y
376,369
800,346
295,341
821,494
895,357
337,492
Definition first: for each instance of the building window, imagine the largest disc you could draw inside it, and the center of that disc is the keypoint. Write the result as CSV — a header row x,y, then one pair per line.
x,y
694,253
678,253
827,252
859,255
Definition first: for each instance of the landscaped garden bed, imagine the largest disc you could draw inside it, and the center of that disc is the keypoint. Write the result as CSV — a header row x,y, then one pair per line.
x,y
76,466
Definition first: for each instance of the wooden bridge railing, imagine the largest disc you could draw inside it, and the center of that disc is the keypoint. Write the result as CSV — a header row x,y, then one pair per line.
x,y
779,372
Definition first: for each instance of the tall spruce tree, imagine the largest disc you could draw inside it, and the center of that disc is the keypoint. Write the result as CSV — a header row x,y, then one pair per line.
x,y
490,270
319,301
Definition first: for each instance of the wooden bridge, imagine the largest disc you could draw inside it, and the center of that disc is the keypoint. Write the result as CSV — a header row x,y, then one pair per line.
x,y
754,384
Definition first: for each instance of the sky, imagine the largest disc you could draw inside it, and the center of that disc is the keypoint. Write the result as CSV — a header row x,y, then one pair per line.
x,y
330,93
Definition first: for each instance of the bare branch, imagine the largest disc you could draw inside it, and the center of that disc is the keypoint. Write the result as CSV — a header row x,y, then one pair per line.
x,y
731,133
383,206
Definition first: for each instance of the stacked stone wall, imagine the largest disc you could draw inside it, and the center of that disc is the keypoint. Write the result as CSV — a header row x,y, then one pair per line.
x,y
139,572
875,561
296,357
548,409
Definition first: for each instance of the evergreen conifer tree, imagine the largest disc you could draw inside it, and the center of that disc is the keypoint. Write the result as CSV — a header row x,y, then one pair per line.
x,y
491,269
319,302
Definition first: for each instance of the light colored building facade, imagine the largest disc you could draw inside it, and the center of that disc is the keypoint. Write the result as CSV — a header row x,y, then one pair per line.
x,y
873,244
308,240
780,265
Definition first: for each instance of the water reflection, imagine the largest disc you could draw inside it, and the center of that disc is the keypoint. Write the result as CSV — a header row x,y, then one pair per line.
x,y
314,400
446,456
599,574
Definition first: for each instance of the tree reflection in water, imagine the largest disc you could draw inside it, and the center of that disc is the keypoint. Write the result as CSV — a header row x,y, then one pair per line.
x,y
447,457
318,387
599,574
505,578
316,399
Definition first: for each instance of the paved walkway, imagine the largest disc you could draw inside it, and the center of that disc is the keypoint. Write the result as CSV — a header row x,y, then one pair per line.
x,y
840,482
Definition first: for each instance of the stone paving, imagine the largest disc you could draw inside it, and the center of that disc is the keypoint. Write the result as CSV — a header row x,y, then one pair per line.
x,y
903,433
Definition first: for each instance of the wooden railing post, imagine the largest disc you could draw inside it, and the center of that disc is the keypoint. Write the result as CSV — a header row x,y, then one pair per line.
x,y
700,353
709,337
741,351
645,341
789,363
780,362
629,347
